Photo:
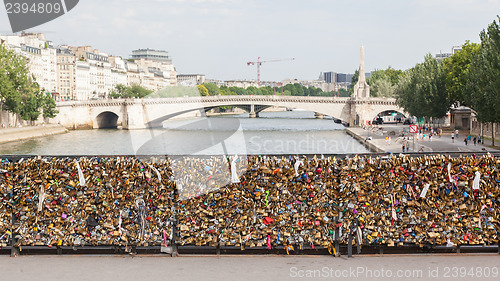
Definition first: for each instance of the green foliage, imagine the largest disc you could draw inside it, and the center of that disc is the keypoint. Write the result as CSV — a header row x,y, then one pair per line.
x,y
380,84
393,74
382,88
212,88
422,91
354,81
457,71
483,77
49,107
119,91
19,93
343,93
203,90
383,83
470,77
31,103
177,91
290,90
135,91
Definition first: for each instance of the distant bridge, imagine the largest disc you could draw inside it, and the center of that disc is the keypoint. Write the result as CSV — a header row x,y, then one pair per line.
x,y
151,112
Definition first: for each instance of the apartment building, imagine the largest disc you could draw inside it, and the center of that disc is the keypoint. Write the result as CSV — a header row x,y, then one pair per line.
x,y
40,56
118,71
100,71
66,74
82,73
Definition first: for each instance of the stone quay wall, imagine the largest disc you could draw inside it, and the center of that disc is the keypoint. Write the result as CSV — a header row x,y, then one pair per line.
x,y
15,134
487,128
276,201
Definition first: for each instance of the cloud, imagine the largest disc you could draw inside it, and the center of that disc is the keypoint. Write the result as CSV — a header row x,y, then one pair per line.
x,y
217,37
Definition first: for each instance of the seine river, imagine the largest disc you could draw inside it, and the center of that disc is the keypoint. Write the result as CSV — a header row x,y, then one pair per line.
x,y
293,132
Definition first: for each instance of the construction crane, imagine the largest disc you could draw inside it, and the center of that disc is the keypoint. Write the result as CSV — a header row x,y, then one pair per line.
x,y
260,62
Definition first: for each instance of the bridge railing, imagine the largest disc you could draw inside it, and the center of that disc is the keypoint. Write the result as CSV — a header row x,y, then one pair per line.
x,y
204,99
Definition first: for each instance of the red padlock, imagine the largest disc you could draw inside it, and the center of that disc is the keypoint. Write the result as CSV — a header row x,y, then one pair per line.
x,y
268,221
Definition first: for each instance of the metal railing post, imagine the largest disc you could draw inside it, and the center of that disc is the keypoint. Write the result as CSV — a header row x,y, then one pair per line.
x,y
14,250
175,250
349,243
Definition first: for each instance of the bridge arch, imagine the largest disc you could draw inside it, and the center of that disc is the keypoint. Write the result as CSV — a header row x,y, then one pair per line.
x,y
391,111
375,106
338,113
107,120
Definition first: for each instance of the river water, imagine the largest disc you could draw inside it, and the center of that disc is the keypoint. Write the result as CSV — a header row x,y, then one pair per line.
x,y
295,132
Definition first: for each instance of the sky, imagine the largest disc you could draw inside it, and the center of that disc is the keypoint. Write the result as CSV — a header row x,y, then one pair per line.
x,y
218,37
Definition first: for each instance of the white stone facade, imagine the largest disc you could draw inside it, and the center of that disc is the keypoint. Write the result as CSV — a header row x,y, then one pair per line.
x,y
241,83
66,74
118,71
41,57
190,79
83,73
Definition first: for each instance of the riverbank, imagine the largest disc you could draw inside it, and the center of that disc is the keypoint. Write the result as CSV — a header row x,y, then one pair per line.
x,y
16,134
359,136
374,139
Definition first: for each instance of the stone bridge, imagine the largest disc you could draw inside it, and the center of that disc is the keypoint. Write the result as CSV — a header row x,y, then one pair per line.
x,y
151,112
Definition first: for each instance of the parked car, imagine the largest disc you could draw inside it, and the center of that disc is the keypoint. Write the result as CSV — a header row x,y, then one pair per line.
x,y
408,121
378,121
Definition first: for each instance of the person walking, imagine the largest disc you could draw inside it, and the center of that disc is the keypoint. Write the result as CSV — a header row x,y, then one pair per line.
x,y
475,140
452,137
465,140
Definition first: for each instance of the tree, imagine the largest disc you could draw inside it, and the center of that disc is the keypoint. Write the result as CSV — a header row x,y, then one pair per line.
x,y
354,81
177,91
383,82
393,74
203,90
19,92
457,69
49,107
212,88
483,78
343,93
31,104
253,90
14,79
138,91
135,91
119,91
382,88
406,95
422,90
380,85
